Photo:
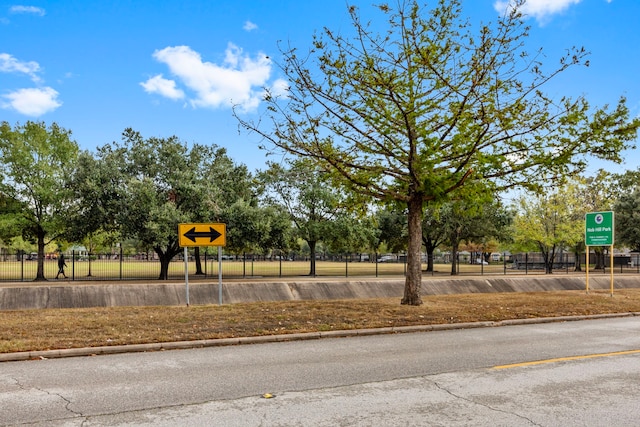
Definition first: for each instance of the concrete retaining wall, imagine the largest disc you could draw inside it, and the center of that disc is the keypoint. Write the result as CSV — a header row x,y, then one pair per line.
x,y
145,294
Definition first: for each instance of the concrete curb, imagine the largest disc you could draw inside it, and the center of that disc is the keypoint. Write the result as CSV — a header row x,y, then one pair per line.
x,y
184,345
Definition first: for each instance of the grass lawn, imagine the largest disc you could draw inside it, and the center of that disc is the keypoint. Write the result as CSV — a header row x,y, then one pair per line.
x,y
131,269
29,330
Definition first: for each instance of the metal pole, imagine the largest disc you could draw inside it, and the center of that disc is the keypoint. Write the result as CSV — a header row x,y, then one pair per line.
x,y
611,262
186,274
219,275
587,262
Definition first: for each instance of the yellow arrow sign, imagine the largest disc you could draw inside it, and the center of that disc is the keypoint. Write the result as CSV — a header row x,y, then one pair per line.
x,y
214,234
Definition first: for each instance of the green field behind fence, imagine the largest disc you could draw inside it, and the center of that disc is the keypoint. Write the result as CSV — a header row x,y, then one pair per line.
x,y
114,269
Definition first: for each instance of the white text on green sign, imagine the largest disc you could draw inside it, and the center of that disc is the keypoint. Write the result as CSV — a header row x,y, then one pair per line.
x,y
599,228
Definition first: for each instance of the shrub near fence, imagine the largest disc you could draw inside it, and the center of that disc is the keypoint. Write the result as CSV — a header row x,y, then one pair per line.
x,y
116,267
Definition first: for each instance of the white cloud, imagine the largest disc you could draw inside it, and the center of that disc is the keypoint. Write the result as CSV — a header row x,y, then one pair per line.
x,y
237,81
163,87
539,9
249,26
280,88
9,64
33,101
27,9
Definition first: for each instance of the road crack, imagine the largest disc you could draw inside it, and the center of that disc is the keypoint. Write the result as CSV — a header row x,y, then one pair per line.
x,y
68,402
491,408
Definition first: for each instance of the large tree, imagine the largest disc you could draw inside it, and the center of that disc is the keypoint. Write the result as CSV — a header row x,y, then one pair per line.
x,y
549,222
432,103
627,221
35,162
150,185
313,206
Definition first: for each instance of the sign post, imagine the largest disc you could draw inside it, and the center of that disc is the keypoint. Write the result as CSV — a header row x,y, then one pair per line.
x,y
599,228
214,234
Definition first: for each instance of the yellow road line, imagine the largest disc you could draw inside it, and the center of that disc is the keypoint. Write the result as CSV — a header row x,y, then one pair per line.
x,y
564,359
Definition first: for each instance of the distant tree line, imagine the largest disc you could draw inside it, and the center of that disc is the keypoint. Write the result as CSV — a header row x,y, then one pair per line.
x,y
137,191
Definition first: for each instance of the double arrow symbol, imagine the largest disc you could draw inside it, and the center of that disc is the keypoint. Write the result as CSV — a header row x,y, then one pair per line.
x,y
193,234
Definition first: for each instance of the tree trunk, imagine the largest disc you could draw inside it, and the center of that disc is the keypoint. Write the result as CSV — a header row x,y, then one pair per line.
x,y
165,258
164,266
414,264
578,263
599,255
196,255
40,271
454,257
549,259
429,248
430,252
89,274
312,252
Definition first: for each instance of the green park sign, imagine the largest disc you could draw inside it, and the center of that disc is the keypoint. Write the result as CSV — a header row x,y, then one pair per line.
x,y
599,229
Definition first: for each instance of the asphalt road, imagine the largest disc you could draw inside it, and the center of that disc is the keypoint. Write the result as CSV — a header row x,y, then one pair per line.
x,y
448,378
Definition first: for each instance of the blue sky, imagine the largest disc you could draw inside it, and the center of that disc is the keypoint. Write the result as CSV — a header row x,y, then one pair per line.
x,y
175,67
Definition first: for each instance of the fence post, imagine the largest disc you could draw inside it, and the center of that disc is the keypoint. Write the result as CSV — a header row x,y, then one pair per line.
x,y
280,272
504,263
526,263
404,265
121,261
376,261
73,265
22,267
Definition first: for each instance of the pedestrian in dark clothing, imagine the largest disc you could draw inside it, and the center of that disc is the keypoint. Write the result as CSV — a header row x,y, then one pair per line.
x,y
61,266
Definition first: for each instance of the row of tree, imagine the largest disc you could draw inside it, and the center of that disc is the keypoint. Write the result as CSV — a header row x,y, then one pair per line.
x,y
431,118
142,188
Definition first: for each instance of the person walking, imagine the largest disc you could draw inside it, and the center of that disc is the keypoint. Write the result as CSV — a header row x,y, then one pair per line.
x,y
61,266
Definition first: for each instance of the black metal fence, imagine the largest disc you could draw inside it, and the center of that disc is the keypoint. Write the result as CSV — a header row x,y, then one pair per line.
x,y
87,266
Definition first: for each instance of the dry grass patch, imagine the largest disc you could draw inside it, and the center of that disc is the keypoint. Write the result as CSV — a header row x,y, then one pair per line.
x,y
28,330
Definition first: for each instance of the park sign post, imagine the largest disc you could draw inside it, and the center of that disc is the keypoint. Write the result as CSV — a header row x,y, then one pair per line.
x,y
598,231
214,234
